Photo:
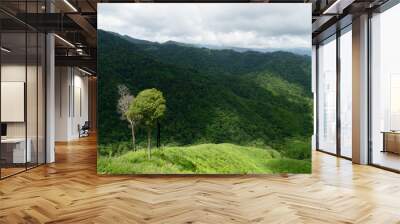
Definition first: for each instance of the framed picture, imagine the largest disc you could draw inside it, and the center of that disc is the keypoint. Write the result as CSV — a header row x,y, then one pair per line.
x,y
204,88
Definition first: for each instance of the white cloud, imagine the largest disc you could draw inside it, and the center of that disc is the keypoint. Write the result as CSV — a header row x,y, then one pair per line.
x,y
248,25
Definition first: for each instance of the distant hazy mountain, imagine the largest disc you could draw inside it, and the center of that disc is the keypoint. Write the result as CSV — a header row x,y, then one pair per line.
x,y
133,40
300,51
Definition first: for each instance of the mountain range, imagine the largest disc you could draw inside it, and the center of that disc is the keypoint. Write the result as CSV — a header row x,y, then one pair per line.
x,y
235,96
296,50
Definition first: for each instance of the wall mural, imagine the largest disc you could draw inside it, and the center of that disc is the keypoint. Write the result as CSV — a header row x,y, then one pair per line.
x,y
204,88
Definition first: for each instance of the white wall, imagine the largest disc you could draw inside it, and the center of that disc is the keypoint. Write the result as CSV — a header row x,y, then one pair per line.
x,y
80,96
61,103
71,102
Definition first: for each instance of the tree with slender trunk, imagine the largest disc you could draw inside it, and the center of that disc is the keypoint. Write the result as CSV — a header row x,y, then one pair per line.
x,y
150,106
134,118
149,142
124,103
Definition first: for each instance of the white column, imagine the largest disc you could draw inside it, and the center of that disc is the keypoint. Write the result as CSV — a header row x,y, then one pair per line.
x,y
314,91
360,90
50,100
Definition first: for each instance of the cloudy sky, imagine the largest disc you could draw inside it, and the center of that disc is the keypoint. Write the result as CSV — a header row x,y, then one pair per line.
x,y
254,25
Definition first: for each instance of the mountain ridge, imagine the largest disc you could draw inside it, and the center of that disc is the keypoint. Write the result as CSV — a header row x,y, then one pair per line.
x,y
290,66
295,50
213,101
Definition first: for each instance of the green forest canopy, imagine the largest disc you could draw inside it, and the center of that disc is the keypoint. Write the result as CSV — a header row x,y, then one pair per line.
x,y
214,96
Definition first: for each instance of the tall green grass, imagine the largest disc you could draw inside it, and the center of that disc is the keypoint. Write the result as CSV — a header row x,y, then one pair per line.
x,y
203,159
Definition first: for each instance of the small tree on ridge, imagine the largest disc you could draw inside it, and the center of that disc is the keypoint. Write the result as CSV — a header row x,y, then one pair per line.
x,y
150,106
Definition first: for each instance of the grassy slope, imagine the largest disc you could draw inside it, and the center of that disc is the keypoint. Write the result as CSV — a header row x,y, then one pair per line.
x,y
205,159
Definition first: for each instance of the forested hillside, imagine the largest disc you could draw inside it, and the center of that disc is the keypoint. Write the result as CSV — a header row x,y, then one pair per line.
x,y
213,96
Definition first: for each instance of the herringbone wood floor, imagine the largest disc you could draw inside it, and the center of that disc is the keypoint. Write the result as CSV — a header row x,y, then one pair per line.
x,y
69,191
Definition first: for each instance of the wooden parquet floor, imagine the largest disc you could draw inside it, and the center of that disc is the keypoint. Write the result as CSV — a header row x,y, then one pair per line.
x,y
69,191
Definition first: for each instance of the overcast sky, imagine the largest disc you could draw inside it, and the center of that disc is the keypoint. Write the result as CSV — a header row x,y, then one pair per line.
x,y
255,25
